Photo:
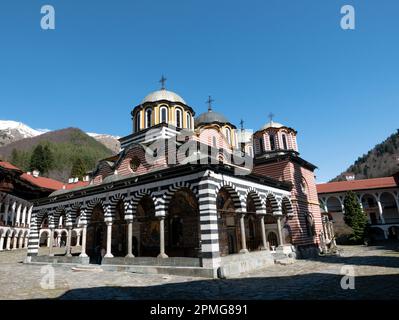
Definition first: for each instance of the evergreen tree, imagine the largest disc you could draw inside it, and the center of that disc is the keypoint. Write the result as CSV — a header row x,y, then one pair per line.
x,y
42,159
78,169
354,217
15,158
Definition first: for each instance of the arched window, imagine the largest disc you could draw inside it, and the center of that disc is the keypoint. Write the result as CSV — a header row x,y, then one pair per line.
x,y
285,145
148,118
261,146
188,118
214,142
178,115
272,142
138,121
134,163
228,135
164,114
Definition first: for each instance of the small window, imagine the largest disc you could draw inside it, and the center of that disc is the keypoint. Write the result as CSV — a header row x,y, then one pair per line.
x,y
178,118
164,114
285,145
138,121
272,142
155,153
148,118
304,186
134,164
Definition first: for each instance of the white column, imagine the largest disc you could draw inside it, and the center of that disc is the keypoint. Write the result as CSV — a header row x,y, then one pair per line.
x,y
109,240
13,214
262,227
8,243
20,242
84,232
243,237
26,241
60,222
17,220
48,241
380,210
129,239
68,244
29,216
78,239
14,243
279,230
23,222
162,253
58,241
6,213
51,243
1,243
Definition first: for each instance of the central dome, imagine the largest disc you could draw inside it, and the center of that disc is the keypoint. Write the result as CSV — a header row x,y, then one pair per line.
x,y
210,117
272,124
163,95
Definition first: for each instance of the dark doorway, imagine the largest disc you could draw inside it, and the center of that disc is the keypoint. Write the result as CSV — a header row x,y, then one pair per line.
x,y
96,236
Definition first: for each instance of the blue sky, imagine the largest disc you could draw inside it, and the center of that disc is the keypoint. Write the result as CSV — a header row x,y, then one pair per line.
x,y
338,88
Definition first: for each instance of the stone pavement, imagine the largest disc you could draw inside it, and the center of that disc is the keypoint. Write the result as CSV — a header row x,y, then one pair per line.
x,y
376,270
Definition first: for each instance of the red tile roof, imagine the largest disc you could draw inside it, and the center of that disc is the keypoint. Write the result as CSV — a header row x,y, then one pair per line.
x,y
377,183
9,166
43,182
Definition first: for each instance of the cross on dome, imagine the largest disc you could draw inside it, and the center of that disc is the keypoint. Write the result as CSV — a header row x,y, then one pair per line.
x,y
162,82
209,102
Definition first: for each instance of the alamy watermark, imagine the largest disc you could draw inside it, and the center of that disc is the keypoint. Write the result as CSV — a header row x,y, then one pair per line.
x,y
348,279
47,22
348,20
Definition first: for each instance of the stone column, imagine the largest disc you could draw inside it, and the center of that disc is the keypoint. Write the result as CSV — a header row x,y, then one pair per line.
x,y
84,232
26,241
8,243
162,253
78,239
14,243
262,228
50,252
243,237
58,244
17,220
20,242
13,216
23,222
280,231
109,240
1,243
68,244
60,221
48,241
381,211
129,239
29,216
6,214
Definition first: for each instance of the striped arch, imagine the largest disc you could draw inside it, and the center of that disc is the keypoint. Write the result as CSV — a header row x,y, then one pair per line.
x,y
88,209
288,205
132,206
239,202
73,211
57,214
260,206
113,202
274,203
167,197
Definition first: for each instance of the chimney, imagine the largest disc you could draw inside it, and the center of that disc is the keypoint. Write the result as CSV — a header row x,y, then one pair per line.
x,y
36,173
86,178
70,180
75,180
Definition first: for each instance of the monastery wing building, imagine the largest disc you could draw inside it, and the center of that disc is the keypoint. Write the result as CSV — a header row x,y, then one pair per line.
x,y
187,191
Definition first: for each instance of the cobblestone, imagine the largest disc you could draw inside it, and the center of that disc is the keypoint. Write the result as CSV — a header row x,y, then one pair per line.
x,y
376,270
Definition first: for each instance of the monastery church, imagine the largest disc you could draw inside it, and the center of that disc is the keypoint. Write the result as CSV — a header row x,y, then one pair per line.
x,y
187,194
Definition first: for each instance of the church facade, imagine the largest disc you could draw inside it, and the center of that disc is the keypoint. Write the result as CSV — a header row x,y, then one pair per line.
x,y
187,193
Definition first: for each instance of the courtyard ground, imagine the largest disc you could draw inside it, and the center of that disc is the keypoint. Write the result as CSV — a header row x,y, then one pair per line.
x,y
376,277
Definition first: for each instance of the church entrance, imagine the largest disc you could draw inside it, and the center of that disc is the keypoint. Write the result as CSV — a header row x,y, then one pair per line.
x,y
228,224
96,236
149,239
252,226
182,227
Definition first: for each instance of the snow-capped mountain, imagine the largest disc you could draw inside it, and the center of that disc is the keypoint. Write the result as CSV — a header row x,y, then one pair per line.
x,y
11,131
